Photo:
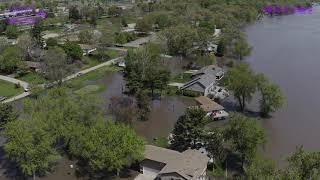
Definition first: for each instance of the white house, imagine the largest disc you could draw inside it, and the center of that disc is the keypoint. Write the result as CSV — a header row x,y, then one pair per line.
x,y
166,164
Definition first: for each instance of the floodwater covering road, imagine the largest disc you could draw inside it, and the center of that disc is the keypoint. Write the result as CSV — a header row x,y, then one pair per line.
x,y
287,50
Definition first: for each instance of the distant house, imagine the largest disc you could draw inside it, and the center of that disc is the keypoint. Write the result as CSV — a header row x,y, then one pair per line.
x,y
204,80
165,164
87,49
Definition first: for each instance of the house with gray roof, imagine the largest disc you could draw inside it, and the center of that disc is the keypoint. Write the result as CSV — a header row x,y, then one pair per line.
x,y
166,164
204,79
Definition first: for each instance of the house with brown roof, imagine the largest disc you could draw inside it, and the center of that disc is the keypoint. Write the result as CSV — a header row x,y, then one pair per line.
x,y
213,109
166,164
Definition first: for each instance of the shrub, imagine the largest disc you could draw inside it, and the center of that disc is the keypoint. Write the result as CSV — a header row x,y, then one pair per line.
x,y
12,32
191,93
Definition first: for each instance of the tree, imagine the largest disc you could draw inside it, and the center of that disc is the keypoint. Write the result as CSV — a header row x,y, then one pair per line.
x,y
302,165
144,25
74,13
7,114
55,65
220,49
214,145
241,48
30,146
36,33
245,135
107,146
241,80
114,11
73,50
180,39
85,37
144,70
10,59
93,17
188,130
123,109
143,104
12,32
272,98
261,168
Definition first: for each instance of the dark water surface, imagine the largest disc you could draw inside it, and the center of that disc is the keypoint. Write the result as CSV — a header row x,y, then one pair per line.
x,y
287,50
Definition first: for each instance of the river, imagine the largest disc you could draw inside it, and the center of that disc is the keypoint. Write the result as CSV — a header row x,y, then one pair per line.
x,y
287,50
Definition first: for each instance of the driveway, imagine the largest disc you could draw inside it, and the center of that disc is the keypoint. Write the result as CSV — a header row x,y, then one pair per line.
x,y
143,177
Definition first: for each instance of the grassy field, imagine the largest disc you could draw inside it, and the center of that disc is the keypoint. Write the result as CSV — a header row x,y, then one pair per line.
x,y
79,84
8,89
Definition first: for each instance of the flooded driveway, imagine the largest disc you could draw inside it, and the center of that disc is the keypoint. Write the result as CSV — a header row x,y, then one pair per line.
x,y
286,49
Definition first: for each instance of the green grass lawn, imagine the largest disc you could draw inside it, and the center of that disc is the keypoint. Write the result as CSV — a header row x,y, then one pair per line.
x,y
80,82
181,78
9,89
33,78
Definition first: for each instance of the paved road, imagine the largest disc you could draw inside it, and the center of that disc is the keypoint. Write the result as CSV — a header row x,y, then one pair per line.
x,y
72,76
16,81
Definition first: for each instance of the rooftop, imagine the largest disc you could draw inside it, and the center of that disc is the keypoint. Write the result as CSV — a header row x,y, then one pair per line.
x,y
190,164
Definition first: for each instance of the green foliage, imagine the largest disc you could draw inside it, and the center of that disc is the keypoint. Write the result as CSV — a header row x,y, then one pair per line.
x,y
30,146
241,80
7,114
85,37
246,136
188,130
124,37
10,59
73,50
12,32
55,65
144,25
261,168
144,70
180,39
74,13
36,33
214,145
51,42
114,11
143,104
272,98
106,145
241,48
161,142
302,165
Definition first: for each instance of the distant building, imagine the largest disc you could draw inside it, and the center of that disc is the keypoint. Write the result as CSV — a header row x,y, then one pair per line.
x,y
204,80
166,164
23,15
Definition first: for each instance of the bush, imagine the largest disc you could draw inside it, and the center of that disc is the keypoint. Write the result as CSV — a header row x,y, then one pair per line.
x,y
12,32
191,93
124,37
52,42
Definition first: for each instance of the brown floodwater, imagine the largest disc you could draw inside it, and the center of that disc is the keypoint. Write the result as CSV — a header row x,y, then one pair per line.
x,y
286,49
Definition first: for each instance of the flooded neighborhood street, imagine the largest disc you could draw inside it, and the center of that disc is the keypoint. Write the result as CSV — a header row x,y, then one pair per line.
x,y
286,49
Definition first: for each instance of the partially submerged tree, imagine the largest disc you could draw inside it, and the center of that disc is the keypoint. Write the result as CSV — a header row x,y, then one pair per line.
x,y
30,146
272,97
241,80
